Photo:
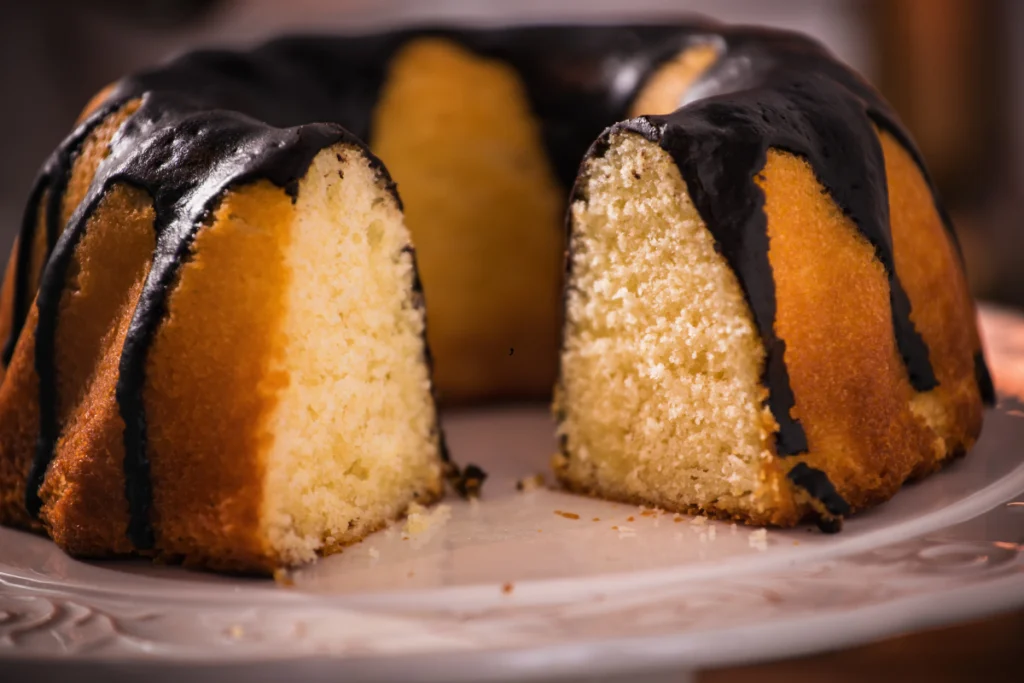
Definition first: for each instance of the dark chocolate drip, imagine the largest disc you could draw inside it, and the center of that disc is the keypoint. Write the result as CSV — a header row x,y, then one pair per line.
x,y
53,177
23,266
818,486
984,379
51,285
783,91
213,119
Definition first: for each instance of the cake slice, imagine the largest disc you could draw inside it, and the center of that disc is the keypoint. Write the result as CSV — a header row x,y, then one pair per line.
x,y
259,388
674,393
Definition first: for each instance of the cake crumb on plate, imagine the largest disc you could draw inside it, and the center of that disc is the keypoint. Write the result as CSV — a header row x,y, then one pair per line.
x,y
758,539
420,519
531,483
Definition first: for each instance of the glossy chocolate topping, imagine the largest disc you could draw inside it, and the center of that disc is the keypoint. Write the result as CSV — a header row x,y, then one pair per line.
x,y
784,91
212,120
818,486
773,89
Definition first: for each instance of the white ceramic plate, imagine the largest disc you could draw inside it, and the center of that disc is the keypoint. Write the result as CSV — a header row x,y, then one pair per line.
x,y
510,589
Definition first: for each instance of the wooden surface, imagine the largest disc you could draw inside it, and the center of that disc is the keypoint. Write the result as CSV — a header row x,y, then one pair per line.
x,y
991,650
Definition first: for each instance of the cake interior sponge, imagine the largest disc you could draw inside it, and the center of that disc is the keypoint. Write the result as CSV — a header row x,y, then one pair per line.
x,y
354,426
661,400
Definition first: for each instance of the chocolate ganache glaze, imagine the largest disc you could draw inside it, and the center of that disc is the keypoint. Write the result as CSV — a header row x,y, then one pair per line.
x,y
212,120
785,92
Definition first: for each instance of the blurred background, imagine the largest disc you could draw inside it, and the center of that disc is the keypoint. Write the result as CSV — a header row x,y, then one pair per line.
x,y
954,70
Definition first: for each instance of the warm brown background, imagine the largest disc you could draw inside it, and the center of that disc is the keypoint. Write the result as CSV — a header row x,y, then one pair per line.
x,y
953,68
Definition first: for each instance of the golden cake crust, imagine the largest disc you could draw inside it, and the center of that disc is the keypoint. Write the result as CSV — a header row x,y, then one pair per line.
x,y
207,473
942,308
492,278
851,387
19,428
83,492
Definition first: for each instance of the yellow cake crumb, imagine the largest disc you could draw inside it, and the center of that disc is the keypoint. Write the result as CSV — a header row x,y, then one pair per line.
x,y
420,520
531,483
758,540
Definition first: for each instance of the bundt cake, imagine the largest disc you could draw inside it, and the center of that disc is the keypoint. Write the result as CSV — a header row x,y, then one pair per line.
x,y
217,349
